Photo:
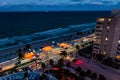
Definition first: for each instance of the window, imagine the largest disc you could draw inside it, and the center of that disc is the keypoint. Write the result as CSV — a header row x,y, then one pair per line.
x,y
106,39
96,47
104,52
101,19
98,30
99,23
105,45
118,52
98,26
118,41
109,19
107,35
108,27
107,31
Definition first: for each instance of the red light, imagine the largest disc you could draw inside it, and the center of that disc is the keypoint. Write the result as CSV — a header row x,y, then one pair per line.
x,y
78,62
56,69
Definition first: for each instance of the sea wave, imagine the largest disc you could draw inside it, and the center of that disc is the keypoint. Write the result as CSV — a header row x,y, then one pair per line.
x,y
18,40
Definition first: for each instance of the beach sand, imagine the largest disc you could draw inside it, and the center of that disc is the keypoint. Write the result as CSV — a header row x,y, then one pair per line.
x,y
40,44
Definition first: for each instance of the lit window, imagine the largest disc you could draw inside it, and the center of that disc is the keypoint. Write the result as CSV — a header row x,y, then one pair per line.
x,y
108,27
106,39
109,19
118,56
119,41
101,19
104,52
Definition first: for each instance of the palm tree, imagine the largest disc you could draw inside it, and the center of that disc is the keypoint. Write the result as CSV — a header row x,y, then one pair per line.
x,y
43,77
78,70
28,46
26,75
101,77
63,53
83,46
93,30
36,61
88,73
43,65
78,48
51,62
68,64
60,62
94,76
20,54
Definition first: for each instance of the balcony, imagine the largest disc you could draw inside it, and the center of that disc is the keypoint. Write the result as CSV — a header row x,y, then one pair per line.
x,y
99,23
96,47
98,26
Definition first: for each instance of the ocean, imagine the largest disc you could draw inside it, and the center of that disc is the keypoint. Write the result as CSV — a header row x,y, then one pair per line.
x,y
18,28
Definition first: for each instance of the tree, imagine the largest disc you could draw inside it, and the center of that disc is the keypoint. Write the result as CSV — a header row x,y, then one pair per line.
x,y
88,73
86,44
88,32
43,65
78,48
91,42
70,36
64,53
101,77
78,70
51,62
60,62
82,46
26,75
28,46
94,76
68,64
82,75
20,54
43,77
77,33
93,30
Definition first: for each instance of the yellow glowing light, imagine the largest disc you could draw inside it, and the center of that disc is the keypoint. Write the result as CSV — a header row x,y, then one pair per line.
x,y
104,52
42,55
29,55
109,19
7,67
108,27
47,48
106,39
118,56
101,19
119,41
64,45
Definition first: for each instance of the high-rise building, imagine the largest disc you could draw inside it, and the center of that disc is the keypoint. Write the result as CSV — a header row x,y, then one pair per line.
x,y
107,33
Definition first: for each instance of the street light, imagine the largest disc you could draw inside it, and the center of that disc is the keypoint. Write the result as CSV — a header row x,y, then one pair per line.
x,y
53,43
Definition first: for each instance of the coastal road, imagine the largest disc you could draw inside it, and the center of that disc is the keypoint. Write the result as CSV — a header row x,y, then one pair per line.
x,y
109,74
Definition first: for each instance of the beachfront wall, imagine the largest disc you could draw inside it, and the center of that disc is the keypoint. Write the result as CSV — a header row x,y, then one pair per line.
x,y
8,64
7,60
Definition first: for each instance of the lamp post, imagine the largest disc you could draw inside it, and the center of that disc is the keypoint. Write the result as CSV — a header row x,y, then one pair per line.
x,y
36,60
53,43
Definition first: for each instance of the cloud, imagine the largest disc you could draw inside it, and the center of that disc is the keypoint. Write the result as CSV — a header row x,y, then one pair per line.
x,y
60,2
3,3
97,3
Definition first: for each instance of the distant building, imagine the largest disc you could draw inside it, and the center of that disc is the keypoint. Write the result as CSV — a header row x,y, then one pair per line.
x,y
107,41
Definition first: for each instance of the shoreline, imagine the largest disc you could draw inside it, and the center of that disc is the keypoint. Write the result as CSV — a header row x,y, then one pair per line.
x,y
44,35
42,43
